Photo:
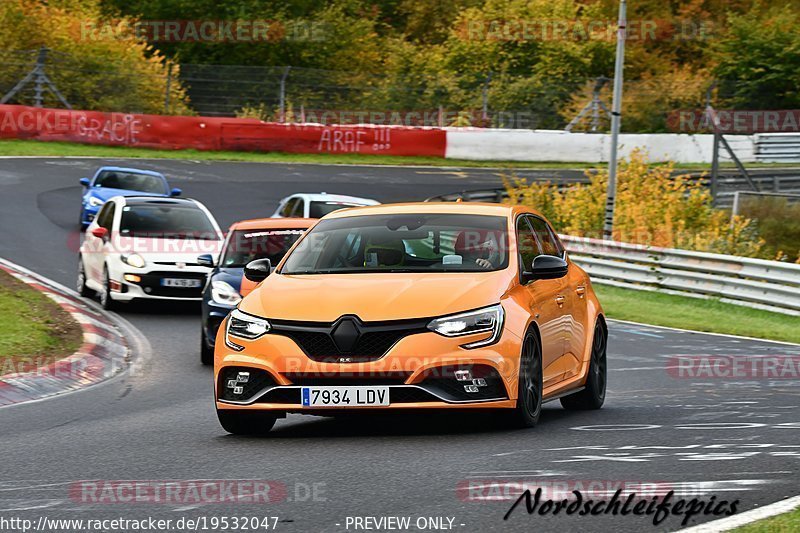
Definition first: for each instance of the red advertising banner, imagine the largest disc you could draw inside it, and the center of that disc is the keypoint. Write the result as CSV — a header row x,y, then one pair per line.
x,y
212,133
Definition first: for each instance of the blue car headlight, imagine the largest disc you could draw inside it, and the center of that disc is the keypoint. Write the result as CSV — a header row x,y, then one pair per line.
x,y
224,293
95,202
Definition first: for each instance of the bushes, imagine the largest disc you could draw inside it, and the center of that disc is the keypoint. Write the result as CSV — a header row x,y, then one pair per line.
x,y
778,222
652,207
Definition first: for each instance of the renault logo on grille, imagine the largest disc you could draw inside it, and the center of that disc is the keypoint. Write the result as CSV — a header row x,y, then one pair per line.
x,y
345,334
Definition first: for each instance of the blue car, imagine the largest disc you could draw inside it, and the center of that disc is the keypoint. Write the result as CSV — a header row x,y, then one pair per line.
x,y
248,240
118,181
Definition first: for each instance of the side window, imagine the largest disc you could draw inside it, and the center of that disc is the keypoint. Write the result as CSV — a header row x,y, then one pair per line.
x,y
106,217
526,243
288,207
300,208
547,239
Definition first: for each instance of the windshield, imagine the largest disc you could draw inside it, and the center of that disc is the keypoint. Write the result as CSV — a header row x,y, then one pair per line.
x,y
131,181
166,222
248,245
402,243
320,209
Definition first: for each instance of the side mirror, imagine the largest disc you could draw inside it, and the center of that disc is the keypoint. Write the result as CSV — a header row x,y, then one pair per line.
x,y
546,267
206,260
85,182
175,192
100,232
257,270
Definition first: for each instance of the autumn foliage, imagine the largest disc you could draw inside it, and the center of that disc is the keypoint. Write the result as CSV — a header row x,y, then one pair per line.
x,y
653,207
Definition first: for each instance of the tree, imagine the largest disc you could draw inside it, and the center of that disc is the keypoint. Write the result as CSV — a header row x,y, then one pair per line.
x,y
96,63
759,59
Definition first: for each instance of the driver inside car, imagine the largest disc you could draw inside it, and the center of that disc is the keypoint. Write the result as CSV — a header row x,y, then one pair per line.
x,y
479,247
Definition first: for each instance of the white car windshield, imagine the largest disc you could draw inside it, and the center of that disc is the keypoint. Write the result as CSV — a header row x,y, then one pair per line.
x,y
320,209
166,222
402,243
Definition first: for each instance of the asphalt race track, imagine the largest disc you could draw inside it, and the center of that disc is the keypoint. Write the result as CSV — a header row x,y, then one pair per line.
x,y
732,439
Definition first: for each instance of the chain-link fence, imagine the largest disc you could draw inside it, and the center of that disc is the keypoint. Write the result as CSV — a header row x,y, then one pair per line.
x,y
293,94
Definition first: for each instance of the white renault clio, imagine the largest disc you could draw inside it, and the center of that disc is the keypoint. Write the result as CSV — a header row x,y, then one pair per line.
x,y
146,247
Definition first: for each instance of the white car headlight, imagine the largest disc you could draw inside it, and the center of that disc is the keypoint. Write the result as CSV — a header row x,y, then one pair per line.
x,y
95,202
488,319
244,326
224,293
134,260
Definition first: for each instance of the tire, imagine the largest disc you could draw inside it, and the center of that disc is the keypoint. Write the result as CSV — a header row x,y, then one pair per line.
x,y
594,394
206,352
80,283
529,395
105,295
238,422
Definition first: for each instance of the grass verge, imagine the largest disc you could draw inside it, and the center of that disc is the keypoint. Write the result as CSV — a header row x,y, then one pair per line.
x,y
16,147
36,331
696,314
783,523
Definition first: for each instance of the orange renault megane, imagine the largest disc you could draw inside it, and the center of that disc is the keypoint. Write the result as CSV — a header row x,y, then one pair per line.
x,y
413,306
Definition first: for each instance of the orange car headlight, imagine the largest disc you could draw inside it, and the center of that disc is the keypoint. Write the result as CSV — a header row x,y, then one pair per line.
x,y
244,326
488,319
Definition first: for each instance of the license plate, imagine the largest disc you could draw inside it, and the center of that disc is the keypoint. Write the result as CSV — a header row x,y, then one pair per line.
x,y
345,396
181,282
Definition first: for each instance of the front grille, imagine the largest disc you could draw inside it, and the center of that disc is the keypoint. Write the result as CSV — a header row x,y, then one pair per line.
x,y
347,379
151,284
319,340
173,263
257,381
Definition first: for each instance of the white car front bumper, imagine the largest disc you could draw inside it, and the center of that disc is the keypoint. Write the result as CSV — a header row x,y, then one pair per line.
x,y
148,283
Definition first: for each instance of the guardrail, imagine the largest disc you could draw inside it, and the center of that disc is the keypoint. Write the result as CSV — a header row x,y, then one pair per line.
x,y
770,285
776,181
777,147
757,283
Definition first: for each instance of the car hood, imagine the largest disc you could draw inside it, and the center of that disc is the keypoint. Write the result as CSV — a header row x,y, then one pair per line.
x,y
374,297
104,193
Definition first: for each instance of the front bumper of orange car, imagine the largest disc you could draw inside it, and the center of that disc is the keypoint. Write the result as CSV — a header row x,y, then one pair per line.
x,y
422,370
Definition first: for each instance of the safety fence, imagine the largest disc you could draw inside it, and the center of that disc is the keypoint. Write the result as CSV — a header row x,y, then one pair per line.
x,y
778,147
250,134
770,285
757,283
215,133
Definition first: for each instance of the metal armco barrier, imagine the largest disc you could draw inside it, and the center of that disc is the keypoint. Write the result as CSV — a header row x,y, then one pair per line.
x,y
777,147
770,285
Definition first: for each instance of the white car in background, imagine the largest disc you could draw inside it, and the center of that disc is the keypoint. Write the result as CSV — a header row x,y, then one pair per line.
x,y
317,205
146,247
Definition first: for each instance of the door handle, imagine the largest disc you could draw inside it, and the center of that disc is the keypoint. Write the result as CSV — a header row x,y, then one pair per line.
x,y
581,290
560,300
